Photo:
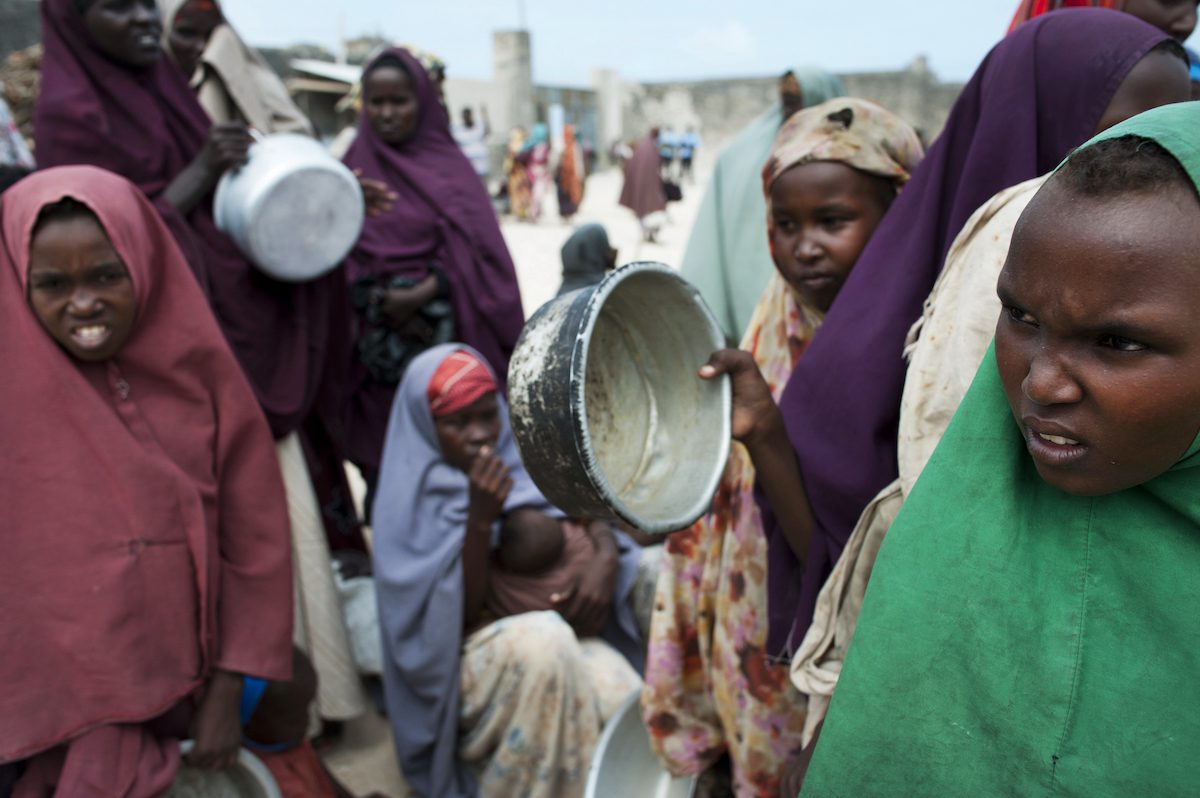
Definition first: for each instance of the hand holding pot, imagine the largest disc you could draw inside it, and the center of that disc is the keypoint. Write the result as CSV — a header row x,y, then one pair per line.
x,y
755,414
227,147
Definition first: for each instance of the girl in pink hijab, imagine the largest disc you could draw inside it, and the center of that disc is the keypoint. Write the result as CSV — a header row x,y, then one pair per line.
x,y
147,562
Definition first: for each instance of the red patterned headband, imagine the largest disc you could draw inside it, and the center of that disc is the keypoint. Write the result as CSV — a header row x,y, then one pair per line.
x,y
460,381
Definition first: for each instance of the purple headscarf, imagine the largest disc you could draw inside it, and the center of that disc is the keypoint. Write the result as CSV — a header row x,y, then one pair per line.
x,y
443,214
147,126
1036,96
420,520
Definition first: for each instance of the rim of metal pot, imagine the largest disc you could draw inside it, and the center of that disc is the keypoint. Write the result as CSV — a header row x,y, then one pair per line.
x,y
583,439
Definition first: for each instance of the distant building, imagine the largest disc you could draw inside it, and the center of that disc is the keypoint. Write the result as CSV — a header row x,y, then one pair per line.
x,y
611,108
18,25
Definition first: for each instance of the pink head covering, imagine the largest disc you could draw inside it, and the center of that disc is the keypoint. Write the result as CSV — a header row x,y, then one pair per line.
x,y
145,526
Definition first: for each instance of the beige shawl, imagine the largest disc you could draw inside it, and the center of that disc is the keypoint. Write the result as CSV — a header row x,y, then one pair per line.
x,y
234,82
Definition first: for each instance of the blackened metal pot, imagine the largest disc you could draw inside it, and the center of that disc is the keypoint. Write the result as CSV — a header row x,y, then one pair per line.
x,y
606,406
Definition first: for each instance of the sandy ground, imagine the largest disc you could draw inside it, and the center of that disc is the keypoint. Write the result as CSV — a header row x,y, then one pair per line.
x,y
535,247
364,759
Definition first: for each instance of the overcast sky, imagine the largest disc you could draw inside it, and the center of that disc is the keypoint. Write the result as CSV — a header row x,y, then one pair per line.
x,y
652,39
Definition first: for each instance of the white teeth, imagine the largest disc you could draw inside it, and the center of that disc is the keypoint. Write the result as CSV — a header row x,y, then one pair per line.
x,y
1060,440
91,334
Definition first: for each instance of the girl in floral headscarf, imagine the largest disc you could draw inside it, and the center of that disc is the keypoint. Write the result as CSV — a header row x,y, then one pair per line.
x,y
712,686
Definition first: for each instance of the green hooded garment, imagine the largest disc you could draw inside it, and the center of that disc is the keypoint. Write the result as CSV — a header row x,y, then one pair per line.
x,y
1017,640
728,256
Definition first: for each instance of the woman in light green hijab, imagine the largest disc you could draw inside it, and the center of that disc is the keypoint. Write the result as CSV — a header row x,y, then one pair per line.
x,y
727,256
1031,627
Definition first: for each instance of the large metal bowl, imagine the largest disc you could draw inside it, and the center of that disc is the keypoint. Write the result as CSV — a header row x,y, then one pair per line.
x,y
249,778
625,765
607,409
292,209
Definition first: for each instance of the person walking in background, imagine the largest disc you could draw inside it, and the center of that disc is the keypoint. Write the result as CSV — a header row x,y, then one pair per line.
x,y
643,191
689,142
472,139
727,256
668,144
570,175
516,178
535,159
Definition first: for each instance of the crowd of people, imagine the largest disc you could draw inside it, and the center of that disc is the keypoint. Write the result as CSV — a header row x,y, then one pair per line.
x,y
966,412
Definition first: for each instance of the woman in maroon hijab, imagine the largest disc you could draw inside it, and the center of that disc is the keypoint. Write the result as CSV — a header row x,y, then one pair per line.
x,y
432,269
146,565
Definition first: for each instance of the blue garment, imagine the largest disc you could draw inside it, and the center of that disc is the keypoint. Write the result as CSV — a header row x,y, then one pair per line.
x,y
667,141
688,143
420,519
252,693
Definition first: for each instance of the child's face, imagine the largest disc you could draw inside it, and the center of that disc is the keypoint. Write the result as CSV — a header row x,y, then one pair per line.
x,y
823,213
1098,342
190,31
79,289
462,435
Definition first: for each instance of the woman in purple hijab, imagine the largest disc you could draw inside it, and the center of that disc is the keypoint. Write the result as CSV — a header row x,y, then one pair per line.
x,y
432,269
1039,93
108,98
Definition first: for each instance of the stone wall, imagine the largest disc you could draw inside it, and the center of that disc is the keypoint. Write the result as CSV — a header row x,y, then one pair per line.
x,y
915,94
720,108
19,26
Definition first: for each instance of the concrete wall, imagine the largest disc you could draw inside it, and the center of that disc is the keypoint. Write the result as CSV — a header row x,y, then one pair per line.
x,y
512,73
915,94
720,108
19,26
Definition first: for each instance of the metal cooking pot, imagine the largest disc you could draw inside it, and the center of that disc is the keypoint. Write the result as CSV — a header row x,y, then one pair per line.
x,y
249,778
625,765
607,409
293,209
